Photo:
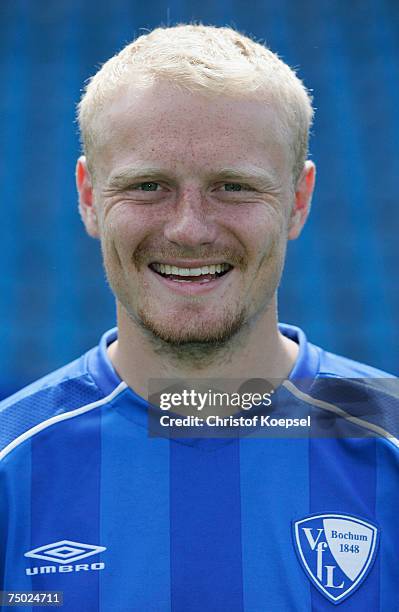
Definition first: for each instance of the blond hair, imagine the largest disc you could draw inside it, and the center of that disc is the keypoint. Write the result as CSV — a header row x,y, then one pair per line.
x,y
209,60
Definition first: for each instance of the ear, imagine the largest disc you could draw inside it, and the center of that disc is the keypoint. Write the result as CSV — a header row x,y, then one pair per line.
x,y
86,201
303,199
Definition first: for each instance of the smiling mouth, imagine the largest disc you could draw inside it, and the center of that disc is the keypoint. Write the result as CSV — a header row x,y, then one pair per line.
x,y
203,274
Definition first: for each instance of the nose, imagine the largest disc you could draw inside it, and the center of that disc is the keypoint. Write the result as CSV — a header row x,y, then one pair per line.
x,y
190,223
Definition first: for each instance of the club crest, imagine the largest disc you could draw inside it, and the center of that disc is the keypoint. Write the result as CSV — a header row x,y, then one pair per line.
x,y
336,551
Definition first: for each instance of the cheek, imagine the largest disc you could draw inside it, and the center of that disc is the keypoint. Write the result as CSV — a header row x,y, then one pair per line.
x,y
264,233
123,229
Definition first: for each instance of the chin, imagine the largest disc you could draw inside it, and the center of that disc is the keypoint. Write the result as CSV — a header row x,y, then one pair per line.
x,y
193,330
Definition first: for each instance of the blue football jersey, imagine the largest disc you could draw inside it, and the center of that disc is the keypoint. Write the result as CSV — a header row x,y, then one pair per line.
x,y
117,520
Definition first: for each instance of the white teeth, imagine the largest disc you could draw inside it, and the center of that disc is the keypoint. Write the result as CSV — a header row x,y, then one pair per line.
x,y
176,271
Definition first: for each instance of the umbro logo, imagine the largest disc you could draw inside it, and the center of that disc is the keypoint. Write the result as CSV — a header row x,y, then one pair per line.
x,y
64,552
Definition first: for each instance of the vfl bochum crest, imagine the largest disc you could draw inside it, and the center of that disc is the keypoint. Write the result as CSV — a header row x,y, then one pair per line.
x,y
336,551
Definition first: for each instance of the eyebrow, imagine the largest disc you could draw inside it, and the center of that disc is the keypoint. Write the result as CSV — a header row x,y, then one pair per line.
x,y
260,176
125,176
263,178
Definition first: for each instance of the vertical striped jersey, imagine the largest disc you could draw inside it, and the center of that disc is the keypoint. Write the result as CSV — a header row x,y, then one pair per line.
x,y
116,520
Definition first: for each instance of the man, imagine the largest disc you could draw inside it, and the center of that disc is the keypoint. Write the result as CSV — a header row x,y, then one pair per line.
x,y
194,177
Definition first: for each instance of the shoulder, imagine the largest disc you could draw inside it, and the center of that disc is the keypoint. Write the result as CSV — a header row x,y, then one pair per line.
x,y
333,365
365,381
358,393
63,390
366,395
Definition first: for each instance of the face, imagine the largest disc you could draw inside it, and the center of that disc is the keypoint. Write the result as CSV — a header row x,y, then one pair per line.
x,y
193,202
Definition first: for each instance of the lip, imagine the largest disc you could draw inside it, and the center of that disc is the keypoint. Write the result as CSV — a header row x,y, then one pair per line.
x,y
194,287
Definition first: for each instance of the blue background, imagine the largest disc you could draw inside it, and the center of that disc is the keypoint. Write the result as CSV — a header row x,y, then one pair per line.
x,y
340,282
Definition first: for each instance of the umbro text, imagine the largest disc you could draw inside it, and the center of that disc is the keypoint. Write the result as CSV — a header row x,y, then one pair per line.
x,y
54,569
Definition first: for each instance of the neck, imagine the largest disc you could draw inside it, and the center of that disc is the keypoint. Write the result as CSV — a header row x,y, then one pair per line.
x,y
259,350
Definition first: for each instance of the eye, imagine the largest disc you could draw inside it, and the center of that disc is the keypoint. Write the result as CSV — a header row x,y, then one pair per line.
x,y
151,186
236,187
232,186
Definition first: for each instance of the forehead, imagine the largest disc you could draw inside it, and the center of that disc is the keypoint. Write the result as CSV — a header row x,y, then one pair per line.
x,y
165,124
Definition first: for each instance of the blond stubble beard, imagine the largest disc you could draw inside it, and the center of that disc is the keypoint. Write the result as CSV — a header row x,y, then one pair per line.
x,y
199,332
198,345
